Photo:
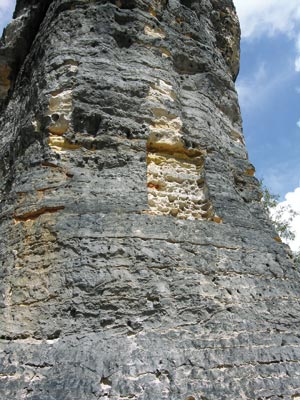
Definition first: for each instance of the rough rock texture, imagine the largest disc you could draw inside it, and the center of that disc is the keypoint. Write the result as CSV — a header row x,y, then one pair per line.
x,y
136,260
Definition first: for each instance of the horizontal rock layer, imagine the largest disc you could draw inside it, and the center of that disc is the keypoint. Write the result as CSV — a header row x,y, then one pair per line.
x,y
136,260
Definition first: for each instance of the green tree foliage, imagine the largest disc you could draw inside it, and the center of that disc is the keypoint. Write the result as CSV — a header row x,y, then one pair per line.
x,y
281,216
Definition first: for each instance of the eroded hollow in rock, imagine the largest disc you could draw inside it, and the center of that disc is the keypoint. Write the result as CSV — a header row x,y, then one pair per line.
x,y
175,173
176,183
186,3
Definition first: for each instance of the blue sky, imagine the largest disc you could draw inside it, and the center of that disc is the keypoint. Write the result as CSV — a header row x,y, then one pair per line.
x,y
269,92
6,11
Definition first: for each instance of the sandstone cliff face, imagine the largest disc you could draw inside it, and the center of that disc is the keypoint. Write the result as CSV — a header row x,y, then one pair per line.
x,y
136,261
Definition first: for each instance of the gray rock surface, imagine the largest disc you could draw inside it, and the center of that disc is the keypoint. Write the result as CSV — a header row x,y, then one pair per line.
x,y
136,261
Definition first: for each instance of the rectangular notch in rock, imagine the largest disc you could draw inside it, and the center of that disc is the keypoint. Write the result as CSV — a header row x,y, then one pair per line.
x,y
176,184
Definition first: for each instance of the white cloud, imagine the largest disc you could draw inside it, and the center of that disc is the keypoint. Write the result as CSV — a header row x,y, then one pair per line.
x,y
297,64
252,90
269,17
261,72
298,123
6,11
5,4
258,87
292,200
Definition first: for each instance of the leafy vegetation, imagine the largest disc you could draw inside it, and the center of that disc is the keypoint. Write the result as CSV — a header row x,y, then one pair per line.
x,y
281,216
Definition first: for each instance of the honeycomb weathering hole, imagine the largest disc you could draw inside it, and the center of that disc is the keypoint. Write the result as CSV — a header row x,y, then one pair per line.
x,y
176,184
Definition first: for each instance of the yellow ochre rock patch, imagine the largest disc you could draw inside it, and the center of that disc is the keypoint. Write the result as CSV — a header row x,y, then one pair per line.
x,y
175,174
34,214
59,143
60,111
156,33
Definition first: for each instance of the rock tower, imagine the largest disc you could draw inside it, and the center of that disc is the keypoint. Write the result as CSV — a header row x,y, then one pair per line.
x,y
136,261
